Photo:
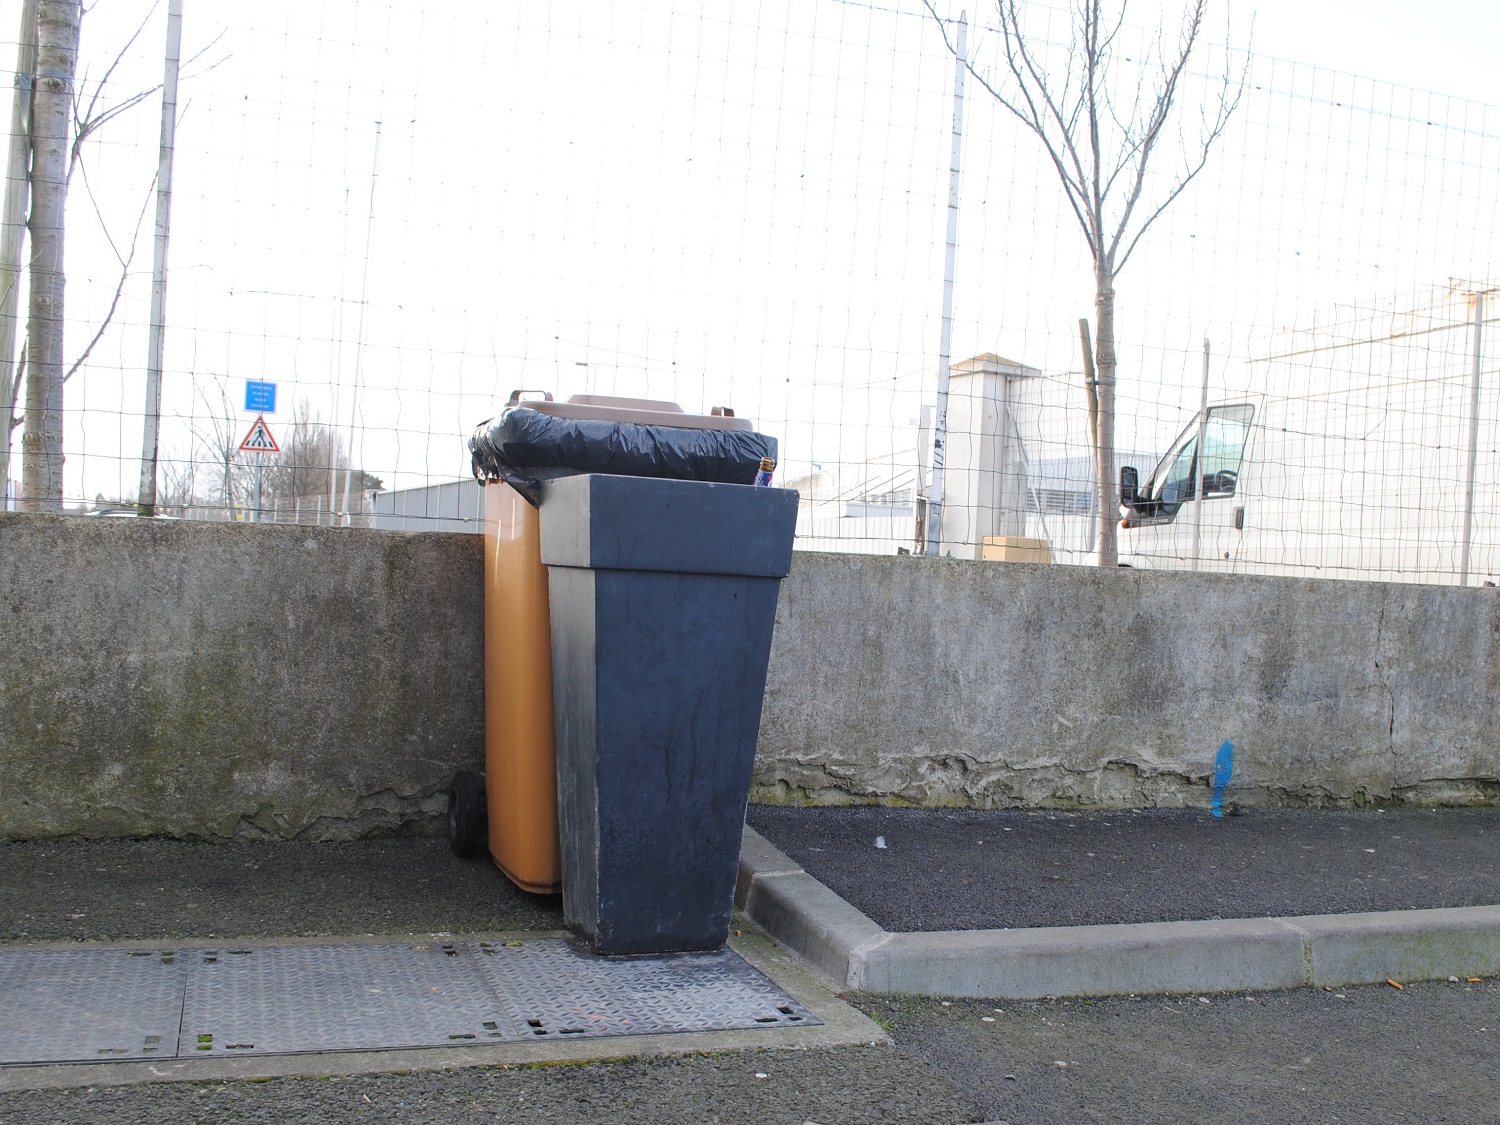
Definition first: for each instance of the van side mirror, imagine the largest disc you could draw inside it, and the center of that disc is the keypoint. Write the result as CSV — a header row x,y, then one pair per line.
x,y
1130,486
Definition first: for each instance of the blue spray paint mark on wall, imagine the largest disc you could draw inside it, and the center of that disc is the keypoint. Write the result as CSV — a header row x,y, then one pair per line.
x,y
1223,769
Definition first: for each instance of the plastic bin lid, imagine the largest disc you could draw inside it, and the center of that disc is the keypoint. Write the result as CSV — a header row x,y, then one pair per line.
x,y
641,411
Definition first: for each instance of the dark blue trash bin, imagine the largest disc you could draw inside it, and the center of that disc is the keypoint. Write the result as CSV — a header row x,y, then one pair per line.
x,y
663,602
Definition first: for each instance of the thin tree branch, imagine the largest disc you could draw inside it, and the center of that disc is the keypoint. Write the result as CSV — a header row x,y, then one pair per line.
x,y
1093,61
1232,91
81,119
1015,46
1071,192
1220,124
119,289
17,420
1160,112
113,304
200,52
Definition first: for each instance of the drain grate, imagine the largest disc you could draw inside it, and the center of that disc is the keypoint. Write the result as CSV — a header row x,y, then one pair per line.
x,y
554,989
336,998
92,1004
86,1004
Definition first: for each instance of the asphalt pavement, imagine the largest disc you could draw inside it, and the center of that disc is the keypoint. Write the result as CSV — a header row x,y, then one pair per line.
x,y
118,890
962,869
1369,1054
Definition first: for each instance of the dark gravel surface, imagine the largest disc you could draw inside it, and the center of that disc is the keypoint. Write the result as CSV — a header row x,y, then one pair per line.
x,y
119,890
948,869
1371,1054
1359,1055
1368,1055
752,1088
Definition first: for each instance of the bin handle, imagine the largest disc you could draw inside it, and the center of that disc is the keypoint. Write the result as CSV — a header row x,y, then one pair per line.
x,y
515,396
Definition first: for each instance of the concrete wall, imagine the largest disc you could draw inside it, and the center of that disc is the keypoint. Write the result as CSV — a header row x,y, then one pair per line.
x,y
933,681
212,680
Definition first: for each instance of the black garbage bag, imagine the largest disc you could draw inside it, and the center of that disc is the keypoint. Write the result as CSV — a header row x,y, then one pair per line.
x,y
523,447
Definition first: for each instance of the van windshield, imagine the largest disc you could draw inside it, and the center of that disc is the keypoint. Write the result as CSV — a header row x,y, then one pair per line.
x,y
1177,476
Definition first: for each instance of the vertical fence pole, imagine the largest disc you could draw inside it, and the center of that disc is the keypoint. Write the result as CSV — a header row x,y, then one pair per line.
x,y
919,492
1198,460
359,339
940,422
1463,570
151,438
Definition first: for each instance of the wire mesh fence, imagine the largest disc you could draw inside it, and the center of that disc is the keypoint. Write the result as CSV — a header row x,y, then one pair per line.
x,y
401,212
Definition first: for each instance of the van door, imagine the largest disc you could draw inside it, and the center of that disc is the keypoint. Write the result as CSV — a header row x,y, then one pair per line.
x,y
1163,524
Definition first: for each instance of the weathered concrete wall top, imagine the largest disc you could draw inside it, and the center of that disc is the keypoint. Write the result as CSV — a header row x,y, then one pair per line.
x,y
195,679
924,680
210,680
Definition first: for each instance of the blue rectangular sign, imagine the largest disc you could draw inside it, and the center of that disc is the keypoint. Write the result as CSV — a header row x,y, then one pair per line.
x,y
260,398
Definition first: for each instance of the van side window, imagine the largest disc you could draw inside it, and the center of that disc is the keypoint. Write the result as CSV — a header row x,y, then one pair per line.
x,y
1176,478
1224,437
1177,483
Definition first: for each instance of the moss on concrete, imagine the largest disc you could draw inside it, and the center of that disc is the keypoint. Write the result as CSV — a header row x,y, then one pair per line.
x,y
212,681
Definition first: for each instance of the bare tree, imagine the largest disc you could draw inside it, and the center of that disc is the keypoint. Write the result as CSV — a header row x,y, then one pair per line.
x,y
294,482
297,479
61,107
13,231
215,441
53,160
41,440
1104,127
178,494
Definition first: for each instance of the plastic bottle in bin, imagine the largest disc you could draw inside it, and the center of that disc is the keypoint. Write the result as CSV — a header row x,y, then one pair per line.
x,y
767,467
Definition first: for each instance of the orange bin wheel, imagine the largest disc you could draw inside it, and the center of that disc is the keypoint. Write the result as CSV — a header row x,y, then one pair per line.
x,y
519,755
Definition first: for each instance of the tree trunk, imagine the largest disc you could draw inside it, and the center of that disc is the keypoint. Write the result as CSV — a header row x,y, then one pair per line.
x,y
13,230
41,441
1104,448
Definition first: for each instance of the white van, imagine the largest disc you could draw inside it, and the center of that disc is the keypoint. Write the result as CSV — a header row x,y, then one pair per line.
x,y
1351,458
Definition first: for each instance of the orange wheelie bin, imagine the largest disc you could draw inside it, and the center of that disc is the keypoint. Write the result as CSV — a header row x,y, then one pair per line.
x,y
514,808
520,767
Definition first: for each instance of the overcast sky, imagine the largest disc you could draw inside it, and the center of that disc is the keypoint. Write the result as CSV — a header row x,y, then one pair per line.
x,y
739,201
1447,45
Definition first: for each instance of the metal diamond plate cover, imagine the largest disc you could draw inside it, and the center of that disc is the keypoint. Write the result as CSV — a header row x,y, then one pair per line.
x,y
89,1004
336,998
553,988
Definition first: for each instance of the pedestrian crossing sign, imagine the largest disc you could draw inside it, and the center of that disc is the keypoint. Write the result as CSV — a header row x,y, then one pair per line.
x,y
259,439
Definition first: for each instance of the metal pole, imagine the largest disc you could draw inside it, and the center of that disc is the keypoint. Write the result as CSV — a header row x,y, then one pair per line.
x,y
259,460
940,422
338,367
1463,570
919,493
151,437
359,338
17,195
1198,461
1003,461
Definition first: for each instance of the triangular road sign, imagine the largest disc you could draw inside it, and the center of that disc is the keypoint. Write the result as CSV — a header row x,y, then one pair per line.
x,y
259,439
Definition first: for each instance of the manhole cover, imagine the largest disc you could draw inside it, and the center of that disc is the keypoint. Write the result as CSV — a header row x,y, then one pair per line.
x,y
336,998
87,1004
552,988
92,1004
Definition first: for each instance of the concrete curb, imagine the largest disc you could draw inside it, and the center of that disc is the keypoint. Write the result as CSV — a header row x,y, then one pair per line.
x,y
1330,950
